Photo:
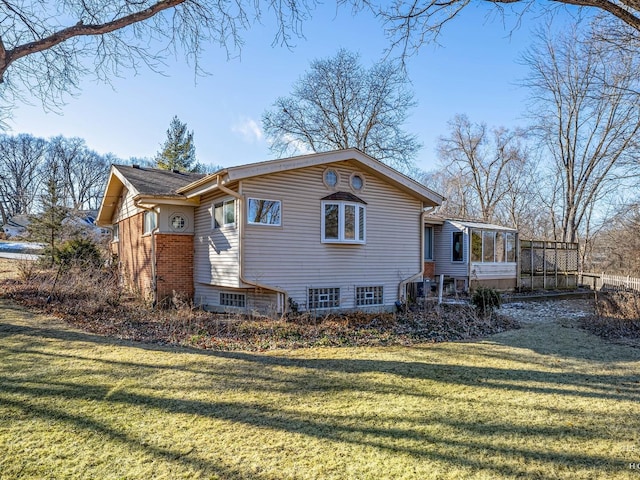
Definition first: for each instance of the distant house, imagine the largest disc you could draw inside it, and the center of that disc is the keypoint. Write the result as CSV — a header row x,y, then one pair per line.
x,y
322,232
470,253
16,226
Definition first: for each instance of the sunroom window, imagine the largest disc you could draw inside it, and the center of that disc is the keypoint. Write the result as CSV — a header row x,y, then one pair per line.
x,y
343,222
493,247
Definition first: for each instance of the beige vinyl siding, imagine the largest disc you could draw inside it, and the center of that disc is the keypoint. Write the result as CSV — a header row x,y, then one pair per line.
x,y
126,207
293,257
255,301
215,252
443,238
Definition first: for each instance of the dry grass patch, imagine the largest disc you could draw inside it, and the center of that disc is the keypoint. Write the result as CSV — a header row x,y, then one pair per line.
x,y
541,402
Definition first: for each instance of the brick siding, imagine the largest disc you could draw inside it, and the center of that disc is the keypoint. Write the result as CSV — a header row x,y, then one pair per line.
x,y
174,254
134,255
429,269
174,260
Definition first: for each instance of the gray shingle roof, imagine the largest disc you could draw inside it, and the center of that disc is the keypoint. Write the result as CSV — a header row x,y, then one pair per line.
x,y
153,181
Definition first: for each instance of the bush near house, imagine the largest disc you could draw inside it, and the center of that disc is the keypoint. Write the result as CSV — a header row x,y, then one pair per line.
x,y
88,297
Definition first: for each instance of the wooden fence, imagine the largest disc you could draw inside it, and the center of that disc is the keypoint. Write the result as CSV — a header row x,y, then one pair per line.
x,y
600,281
548,265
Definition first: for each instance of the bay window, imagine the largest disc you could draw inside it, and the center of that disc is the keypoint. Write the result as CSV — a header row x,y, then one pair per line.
x,y
343,222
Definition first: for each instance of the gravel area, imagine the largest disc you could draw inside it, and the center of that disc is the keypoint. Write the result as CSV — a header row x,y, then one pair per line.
x,y
548,310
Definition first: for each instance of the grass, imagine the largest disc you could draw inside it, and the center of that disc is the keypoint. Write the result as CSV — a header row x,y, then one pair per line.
x,y
75,405
545,401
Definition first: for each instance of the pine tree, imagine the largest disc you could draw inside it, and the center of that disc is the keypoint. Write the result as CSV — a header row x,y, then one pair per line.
x,y
47,227
178,151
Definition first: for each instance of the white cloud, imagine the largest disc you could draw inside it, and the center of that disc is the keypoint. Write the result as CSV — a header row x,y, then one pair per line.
x,y
248,129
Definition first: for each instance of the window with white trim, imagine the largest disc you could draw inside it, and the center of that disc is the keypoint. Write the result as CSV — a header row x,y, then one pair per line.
x,y
228,299
115,232
319,298
343,222
224,213
264,212
457,247
150,222
369,296
493,247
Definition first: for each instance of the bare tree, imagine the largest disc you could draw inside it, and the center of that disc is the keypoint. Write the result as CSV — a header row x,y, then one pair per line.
x,y
20,159
488,161
411,24
587,115
82,171
46,47
340,104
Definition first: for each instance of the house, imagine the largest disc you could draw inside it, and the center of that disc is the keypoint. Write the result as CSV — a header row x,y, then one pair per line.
x,y
16,226
470,254
326,231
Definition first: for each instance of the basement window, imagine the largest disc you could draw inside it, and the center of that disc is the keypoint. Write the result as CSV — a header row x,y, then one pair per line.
x,y
232,299
366,296
319,298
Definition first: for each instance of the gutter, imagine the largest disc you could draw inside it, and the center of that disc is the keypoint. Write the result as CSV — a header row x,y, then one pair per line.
x,y
403,284
241,210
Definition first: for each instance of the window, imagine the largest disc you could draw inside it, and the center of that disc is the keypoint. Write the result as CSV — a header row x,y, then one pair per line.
x,y
343,222
319,298
330,178
488,247
428,243
369,296
115,232
457,250
510,247
493,247
264,212
357,181
224,214
476,245
177,222
500,247
150,221
232,299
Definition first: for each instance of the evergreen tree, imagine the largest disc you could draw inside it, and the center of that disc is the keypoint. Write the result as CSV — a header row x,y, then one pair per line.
x,y
178,151
47,227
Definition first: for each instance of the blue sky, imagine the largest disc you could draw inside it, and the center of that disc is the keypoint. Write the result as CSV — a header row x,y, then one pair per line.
x,y
475,71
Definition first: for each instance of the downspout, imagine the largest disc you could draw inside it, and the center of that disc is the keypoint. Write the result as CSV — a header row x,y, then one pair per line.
x,y
403,283
240,199
154,276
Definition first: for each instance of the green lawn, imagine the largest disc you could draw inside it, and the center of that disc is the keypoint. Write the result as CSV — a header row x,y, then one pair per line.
x,y
546,401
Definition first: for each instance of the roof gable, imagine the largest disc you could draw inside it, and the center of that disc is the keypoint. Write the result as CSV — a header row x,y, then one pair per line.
x,y
366,162
141,182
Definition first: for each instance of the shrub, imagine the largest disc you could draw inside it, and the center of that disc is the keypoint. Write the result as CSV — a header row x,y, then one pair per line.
x,y
486,300
79,251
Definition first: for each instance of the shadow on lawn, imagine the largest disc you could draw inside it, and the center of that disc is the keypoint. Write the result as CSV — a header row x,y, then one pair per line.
x,y
264,372
416,442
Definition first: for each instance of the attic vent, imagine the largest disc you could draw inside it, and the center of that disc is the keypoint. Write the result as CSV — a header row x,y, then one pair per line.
x,y
136,166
